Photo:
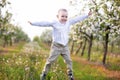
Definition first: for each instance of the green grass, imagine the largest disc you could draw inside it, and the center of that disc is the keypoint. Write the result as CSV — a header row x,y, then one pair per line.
x,y
28,65
85,72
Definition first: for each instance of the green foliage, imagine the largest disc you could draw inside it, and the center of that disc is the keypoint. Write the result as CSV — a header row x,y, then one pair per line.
x,y
36,38
46,36
9,33
3,3
20,35
103,24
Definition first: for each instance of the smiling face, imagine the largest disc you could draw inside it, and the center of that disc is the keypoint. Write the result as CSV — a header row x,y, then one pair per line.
x,y
62,16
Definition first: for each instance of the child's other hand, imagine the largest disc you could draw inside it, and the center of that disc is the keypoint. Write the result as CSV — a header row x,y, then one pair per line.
x,y
29,22
90,13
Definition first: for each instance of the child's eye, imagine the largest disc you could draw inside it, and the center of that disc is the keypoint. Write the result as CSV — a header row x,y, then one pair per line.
x,y
64,16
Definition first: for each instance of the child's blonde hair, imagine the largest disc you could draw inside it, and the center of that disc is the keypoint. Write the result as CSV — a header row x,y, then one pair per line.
x,y
62,9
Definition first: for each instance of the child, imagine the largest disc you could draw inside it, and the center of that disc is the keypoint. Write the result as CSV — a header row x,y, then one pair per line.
x,y
61,28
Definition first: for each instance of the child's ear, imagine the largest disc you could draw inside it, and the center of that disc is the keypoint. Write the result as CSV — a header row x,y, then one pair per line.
x,y
57,16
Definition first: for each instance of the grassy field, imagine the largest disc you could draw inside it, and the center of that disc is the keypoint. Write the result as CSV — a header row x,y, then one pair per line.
x,y
26,61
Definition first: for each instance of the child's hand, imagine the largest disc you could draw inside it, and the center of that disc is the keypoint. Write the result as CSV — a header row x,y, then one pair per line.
x,y
29,22
90,13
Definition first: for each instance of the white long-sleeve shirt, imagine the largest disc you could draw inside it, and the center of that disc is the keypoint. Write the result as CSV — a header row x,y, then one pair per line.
x,y
60,31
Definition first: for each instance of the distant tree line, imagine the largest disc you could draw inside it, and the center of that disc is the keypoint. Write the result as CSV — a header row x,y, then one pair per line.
x,y
9,33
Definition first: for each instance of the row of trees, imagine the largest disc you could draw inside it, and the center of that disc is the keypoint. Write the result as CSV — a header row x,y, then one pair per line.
x,y
9,33
103,26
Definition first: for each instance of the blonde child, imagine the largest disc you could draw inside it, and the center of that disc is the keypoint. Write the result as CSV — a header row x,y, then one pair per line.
x,y
61,28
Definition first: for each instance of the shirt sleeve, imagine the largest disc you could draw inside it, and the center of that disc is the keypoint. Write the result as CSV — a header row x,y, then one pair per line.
x,y
43,23
77,19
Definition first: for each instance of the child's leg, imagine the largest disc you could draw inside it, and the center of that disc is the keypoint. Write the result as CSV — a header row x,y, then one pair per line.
x,y
67,58
53,56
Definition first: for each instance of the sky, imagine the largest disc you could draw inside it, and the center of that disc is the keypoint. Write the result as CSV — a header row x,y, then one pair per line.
x,y
35,10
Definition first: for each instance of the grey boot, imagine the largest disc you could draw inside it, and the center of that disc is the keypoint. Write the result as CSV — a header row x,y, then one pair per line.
x,y
42,76
70,77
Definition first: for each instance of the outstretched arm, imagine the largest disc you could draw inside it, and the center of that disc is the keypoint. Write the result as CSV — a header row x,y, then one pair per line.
x,y
42,23
80,18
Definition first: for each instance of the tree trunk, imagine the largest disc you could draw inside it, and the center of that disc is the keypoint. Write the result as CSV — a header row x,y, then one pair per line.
x,y
105,47
97,46
84,46
90,47
11,42
72,47
80,45
5,41
112,47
